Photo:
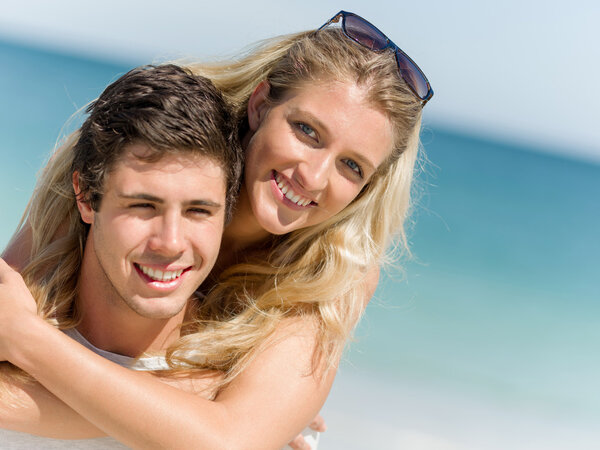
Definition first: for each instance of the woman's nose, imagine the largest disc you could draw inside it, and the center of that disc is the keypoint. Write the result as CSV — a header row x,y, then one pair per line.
x,y
315,171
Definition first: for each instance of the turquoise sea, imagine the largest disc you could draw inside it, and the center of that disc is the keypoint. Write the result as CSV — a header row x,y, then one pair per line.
x,y
486,340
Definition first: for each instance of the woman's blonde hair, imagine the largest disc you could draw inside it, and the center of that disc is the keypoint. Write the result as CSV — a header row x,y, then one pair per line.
x,y
318,270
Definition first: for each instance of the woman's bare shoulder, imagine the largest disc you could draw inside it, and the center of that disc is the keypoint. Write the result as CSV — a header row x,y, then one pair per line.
x,y
17,252
279,388
370,279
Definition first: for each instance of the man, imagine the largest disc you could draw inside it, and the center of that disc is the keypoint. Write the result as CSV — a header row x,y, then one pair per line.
x,y
154,194
155,175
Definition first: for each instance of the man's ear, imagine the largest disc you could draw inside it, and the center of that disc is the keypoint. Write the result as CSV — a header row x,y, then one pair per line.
x,y
257,105
84,207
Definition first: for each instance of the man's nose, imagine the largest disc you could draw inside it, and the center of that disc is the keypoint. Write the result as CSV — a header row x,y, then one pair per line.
x,y
168,237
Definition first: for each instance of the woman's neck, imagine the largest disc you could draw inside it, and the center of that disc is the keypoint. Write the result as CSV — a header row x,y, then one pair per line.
x,y
243,232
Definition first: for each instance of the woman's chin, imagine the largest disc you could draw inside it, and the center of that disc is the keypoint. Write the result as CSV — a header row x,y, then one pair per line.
x,y
277,225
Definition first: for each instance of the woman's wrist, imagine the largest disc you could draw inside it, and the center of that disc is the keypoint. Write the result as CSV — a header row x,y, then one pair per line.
x,y
25,337
20,326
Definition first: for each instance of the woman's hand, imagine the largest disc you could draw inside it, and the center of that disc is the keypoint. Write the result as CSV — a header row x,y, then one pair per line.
x,y
300,443
16,304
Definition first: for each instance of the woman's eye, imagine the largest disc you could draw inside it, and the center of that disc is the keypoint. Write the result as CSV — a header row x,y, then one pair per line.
x,y
307,130
354,166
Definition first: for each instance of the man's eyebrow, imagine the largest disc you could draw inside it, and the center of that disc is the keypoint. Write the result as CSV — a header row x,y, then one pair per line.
x,y
154,199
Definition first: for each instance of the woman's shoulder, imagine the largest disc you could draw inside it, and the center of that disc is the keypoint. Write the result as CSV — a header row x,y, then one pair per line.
x,y
16,252
369,281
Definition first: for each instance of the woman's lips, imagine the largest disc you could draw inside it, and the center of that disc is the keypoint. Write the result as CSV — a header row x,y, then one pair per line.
x,y
288,194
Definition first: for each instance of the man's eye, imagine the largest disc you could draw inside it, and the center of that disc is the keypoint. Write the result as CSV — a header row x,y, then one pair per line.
x,y
354,166
142,205
200,211
308,130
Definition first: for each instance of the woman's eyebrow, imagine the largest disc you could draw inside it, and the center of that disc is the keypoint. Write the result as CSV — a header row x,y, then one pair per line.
x,y
307,115
363,160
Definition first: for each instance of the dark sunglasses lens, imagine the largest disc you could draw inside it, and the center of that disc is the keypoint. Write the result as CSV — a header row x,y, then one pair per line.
x,y
412,75
364,33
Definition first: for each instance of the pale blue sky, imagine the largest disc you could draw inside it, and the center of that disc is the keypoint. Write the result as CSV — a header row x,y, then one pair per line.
x,y
524,71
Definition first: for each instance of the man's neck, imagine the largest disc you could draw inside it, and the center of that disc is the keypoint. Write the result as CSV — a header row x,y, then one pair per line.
x,y
128,337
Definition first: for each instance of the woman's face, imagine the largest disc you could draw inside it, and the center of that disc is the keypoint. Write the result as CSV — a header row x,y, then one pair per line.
x,y
311,154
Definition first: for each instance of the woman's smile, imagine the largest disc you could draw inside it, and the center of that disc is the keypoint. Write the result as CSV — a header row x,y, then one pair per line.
x,y
291,195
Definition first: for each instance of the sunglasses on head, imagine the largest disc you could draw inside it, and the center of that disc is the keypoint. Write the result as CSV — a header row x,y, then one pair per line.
x,y
368,35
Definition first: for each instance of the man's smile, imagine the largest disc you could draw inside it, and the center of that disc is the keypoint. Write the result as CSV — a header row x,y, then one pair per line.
x,y
164,279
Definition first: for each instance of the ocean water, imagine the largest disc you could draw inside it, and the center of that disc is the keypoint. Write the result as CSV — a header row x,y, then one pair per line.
x,y
488,337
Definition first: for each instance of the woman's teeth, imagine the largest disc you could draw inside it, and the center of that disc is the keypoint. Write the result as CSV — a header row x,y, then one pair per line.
x,y
289,192
159,275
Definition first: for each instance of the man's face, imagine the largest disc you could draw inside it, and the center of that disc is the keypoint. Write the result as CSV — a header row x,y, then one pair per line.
x,y
157,233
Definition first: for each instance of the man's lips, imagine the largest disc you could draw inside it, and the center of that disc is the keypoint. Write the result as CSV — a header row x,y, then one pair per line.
x,y
160,275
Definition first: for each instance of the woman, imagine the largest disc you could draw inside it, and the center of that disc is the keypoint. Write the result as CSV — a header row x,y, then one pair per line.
x,y
330,127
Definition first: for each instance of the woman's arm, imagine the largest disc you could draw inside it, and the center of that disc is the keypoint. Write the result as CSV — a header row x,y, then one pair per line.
x,y
26,406
264,407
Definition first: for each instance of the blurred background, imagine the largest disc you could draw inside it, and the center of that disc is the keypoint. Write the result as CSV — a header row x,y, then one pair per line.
x,y
487,338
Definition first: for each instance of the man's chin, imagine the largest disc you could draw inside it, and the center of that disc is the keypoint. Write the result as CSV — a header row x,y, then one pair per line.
x,y
159,308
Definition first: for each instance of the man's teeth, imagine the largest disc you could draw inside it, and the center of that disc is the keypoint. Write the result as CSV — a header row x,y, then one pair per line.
x,y
289,192
159,275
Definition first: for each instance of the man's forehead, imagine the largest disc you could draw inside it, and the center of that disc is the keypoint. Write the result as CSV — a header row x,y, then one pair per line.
x,y
186,172
142,156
